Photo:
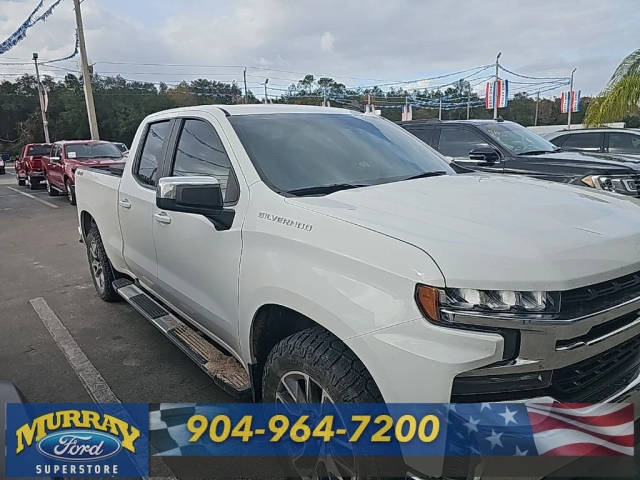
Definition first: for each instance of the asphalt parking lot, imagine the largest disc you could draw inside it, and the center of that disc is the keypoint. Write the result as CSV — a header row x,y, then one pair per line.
x,y
44,275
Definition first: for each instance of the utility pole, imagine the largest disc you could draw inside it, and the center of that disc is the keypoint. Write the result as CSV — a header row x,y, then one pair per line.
x,y
495,86
440,109
86,75
43,109
266,97
570,99
535,120
468,100
246,99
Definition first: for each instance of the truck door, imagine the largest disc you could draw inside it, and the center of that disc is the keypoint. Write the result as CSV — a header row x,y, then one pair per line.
x,y
197,264
53,165
137,199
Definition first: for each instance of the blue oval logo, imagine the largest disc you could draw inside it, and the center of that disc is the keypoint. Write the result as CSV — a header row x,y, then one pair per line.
x,y
79,445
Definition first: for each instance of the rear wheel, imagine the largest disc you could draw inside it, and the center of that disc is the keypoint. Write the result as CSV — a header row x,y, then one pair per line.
x,y
71,192
34,184
102,272
20,180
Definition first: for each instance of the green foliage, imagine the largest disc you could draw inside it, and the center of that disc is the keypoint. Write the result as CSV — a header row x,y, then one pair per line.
x,y
122,104
621,97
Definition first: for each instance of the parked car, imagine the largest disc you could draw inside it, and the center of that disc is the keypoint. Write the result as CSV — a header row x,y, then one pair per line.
x,y
29,165
67,156
335,257
507,147
4,159
624,143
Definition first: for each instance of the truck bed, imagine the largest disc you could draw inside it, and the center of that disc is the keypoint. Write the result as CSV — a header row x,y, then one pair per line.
x,y
115,170
97,195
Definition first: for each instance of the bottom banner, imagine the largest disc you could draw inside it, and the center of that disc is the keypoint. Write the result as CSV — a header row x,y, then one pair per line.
x,y
319,440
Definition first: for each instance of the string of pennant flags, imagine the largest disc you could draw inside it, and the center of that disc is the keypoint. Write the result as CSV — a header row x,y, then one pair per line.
x,y
19,35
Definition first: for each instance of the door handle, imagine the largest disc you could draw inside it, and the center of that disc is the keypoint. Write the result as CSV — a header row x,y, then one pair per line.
x,y
124,203
162,218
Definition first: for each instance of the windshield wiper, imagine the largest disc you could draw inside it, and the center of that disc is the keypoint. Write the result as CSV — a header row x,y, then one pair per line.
x,y
324,189
538,152
437,173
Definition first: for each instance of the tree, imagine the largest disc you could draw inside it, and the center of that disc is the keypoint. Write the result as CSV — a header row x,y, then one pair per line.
x,y
621,96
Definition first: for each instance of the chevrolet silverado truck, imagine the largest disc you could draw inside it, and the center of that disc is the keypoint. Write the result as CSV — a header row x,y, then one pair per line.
x,y
310,254
29,165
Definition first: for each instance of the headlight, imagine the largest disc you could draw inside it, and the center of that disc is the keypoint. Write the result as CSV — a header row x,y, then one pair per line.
x,y
625,184
432,301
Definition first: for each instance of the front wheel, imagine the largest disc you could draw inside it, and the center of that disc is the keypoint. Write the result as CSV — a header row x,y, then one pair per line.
x,y
313,366
71,192
50,190
102,272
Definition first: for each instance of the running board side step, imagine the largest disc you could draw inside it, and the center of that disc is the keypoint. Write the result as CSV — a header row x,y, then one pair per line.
x,y
225,370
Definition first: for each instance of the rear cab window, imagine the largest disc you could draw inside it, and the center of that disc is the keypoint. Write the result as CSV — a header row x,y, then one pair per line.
x,y
150,157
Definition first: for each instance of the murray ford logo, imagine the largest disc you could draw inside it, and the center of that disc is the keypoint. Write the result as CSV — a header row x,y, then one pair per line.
x,y
79,445
77,435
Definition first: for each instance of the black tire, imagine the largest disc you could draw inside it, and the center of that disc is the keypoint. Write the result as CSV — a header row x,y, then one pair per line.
x,y
50,190
20,181
322,356
323,361
34,184
99,263
71,192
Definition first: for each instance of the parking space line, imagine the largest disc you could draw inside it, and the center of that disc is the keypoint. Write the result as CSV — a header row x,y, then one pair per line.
x,y
90,377
94,383
48,204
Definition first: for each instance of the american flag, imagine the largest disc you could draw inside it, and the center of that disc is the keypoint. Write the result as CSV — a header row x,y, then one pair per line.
x,y
530,429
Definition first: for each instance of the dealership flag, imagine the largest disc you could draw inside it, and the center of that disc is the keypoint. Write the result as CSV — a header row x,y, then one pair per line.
x,y
552,429
497,91
570,99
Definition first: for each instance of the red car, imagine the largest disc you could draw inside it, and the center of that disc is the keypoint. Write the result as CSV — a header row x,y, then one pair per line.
x,y
67,156
29,166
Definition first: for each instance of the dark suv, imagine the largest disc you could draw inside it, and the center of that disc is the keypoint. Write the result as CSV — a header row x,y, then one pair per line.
x,y
507,147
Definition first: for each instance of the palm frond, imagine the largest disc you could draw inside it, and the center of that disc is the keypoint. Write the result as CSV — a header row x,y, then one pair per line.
x,y
629,66
621,99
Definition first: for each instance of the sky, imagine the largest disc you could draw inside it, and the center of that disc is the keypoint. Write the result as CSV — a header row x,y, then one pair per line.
x,y
359,43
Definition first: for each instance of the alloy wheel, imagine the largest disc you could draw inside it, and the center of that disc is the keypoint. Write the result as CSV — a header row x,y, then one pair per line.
x,y
299,387
96,266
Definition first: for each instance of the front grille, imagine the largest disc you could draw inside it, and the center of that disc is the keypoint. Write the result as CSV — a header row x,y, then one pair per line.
x,y
600,296
592,380
598,377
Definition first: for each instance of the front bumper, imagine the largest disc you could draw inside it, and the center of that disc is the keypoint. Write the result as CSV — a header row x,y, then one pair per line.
x,y
418,362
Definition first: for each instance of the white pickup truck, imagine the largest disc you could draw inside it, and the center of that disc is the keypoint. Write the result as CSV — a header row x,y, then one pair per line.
x,y
308,254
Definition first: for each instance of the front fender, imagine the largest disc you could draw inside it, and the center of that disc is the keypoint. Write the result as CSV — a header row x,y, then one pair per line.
x,y
348,279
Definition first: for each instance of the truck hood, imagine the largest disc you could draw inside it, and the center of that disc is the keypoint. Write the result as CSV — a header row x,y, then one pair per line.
x,y
595,162
94,162
499,232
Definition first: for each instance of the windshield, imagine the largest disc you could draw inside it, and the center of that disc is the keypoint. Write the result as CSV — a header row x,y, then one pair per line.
x,y
93,150
295,151
38,150
517,138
